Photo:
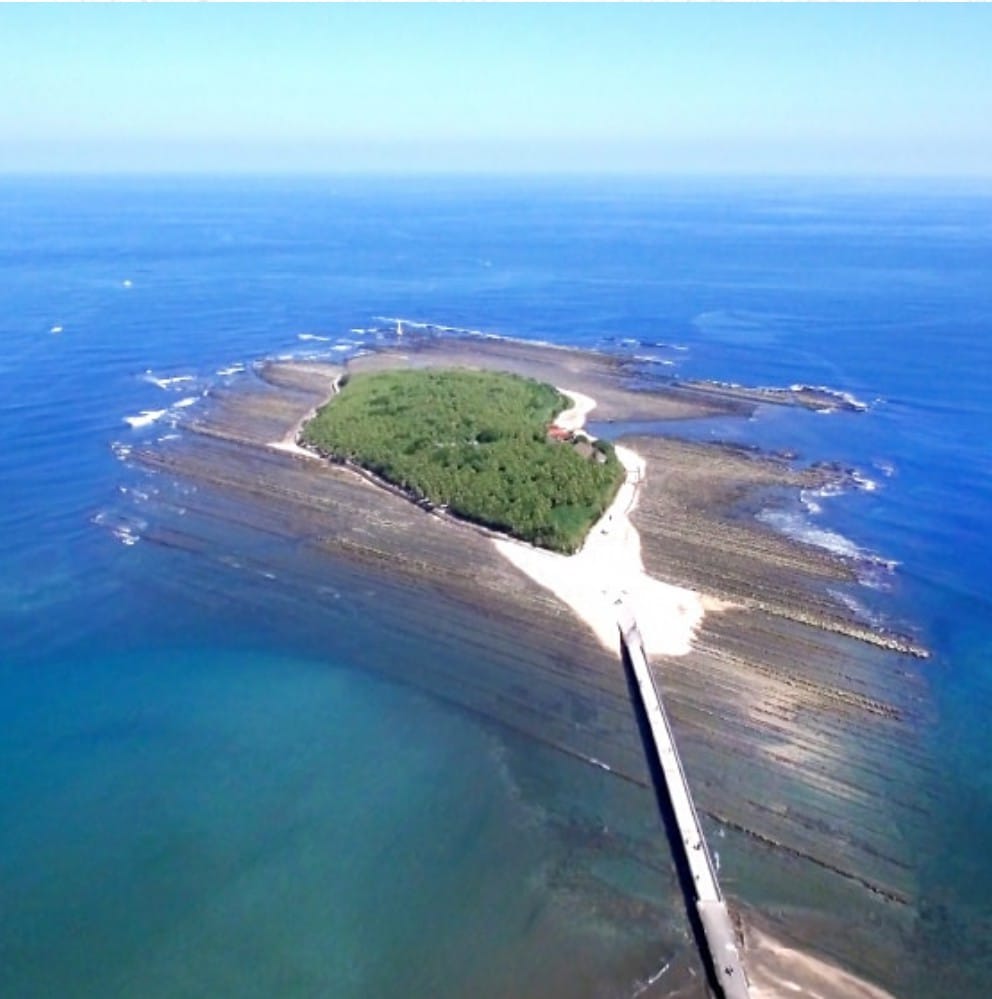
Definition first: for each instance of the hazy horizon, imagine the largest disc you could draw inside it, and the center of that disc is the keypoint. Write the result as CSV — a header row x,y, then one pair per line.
x,y
834,90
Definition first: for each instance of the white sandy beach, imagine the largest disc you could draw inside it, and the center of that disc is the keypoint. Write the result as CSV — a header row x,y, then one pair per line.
x,y
609,566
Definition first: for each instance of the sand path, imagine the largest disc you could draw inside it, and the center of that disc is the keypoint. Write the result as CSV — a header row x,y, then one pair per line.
x,y
574,417
609,566
291,441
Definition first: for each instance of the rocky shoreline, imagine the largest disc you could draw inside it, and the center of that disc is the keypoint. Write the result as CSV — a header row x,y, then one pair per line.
x,y
818,398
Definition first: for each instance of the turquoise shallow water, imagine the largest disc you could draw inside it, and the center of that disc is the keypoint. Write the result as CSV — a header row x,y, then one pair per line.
x,y
199,796
188,819
202,797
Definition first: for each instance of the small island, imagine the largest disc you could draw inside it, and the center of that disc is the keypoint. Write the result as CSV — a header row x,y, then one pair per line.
x,y
490,447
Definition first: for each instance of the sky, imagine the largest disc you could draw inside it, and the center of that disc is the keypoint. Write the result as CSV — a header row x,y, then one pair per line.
x,y
501,88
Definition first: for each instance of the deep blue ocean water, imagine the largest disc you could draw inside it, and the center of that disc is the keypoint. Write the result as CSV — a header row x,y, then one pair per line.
x,y
194,800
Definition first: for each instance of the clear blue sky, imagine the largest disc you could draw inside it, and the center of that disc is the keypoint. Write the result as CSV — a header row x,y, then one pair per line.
x,y
837,88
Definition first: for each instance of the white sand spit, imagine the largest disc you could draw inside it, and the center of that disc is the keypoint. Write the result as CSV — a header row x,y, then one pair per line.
x,y
289,445
780,972
609,566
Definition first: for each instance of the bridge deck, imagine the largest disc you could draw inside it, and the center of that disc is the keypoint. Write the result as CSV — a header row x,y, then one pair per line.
x,y
717,927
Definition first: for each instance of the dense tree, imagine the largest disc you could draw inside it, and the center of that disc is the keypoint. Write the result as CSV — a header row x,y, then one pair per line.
x,y
475,442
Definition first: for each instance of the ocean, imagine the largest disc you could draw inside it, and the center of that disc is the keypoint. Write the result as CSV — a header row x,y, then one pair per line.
x,y
204,792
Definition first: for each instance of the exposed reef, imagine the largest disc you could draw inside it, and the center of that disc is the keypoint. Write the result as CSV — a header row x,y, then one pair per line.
x,y
796,719
819,398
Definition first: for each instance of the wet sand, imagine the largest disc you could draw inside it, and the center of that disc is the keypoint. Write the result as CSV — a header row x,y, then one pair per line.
x,y
778,971
795,720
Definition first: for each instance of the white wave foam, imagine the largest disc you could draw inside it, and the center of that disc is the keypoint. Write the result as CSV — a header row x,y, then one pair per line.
x,y
799,528
145,418
877,575
127,283
166,383
232,369
810,497
858,609
126,535
651,980
56,329
646,359
863,482
311,336
844,397
120,449
417,324
188,401
511,339
462,331
141,495
127,531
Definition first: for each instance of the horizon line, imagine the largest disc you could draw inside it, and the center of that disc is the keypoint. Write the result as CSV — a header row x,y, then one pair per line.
x,y
550,173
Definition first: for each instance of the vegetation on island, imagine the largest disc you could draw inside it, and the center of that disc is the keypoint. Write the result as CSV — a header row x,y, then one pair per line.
x,y
476,443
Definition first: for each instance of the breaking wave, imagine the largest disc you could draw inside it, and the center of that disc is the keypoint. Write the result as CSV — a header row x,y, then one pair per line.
x,y
145,418
845,398
798,526
167,383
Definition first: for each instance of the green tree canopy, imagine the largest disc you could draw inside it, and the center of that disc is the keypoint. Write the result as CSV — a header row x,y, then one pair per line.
x,y
474,442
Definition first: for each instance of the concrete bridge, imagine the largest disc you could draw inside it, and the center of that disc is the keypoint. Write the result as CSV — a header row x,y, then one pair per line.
x,y
717,929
